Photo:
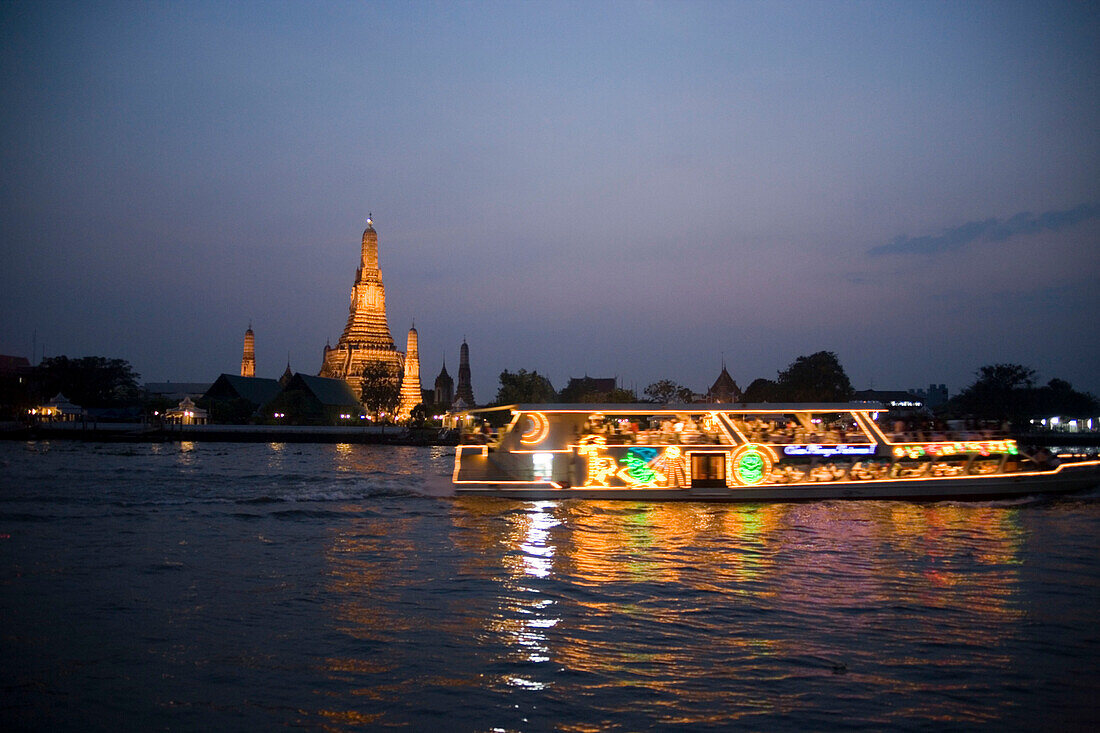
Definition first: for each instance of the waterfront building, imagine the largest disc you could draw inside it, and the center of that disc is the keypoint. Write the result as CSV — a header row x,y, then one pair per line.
x,y
465,392
444,387
236,399
366,338
309,400
186,413
58,409
410,395
248,359
724,388
287,374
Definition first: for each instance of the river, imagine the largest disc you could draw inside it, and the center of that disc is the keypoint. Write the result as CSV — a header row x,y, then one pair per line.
x,y
197,586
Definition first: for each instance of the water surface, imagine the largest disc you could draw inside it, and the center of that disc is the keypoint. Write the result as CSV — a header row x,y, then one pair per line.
x,y
250,586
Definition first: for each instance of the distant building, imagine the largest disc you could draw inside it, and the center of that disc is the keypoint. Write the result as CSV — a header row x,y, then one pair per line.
x,y
444,387
13,364
410,395
464,393
366,338
891,399
724,388
248,358
15,386
287,374
934,396
176,391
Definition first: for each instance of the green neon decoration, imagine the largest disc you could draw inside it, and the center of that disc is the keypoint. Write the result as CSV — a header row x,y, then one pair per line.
x,y
750,467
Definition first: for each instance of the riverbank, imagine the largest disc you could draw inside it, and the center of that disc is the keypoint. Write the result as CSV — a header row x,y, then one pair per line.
x,y
144,433
375,434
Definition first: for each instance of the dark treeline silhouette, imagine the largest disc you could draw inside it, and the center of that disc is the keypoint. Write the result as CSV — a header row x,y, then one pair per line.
x,y
88,381
1008,392
1002,392
815,378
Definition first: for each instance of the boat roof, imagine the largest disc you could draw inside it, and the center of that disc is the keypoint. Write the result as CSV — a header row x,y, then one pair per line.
x,y
656,408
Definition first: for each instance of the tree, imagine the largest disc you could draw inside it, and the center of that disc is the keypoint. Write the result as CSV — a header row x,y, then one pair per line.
x,y
1006,392
620,395
587,389
762,390
666,391
418,418
815,378
381,388
90,381
1001,391
524,386
1059,397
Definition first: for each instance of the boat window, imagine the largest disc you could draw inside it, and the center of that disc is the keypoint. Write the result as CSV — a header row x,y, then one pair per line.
x,y
823,428
984,466
950,466
911,468
869,470
688,428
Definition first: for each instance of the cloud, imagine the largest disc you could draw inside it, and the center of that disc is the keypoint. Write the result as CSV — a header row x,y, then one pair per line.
x,y
989,230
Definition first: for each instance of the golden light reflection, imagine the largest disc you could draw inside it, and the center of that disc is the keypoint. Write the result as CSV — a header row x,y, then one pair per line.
x,y
830,558
187,453
608,591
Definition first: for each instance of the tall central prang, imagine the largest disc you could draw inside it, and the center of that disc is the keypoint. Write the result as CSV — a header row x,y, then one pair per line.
x,y
366,339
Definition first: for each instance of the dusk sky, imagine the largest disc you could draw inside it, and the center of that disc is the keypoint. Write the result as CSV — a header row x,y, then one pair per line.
x,y
637,190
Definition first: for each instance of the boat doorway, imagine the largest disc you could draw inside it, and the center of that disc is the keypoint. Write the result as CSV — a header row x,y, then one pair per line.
x,y
708,470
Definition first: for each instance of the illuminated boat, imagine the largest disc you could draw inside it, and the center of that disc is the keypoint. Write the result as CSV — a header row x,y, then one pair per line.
x,y
737,452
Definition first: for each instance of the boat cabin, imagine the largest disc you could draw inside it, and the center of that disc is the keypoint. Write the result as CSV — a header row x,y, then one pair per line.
x,y
702,446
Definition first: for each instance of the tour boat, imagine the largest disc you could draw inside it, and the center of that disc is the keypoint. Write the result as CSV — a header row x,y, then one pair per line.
x,y
738,452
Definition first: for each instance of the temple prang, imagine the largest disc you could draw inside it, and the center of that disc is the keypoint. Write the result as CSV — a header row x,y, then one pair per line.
x,y
366,338
411,394
248,357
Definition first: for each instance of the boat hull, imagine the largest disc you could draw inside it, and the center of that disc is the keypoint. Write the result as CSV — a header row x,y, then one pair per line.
x,y
1064,479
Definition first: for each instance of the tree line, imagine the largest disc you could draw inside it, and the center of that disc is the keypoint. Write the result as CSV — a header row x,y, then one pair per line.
x,y
1003,392
815,378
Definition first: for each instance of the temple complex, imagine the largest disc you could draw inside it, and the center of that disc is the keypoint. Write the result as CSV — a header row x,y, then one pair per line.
x,y
248,359
410,396
366,338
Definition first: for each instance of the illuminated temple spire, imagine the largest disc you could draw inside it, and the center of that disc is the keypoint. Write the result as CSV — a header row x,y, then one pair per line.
x,y
248,359
411,396
367,315
366,338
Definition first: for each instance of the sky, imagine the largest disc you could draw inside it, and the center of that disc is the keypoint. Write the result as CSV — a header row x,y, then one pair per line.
x,y
645,190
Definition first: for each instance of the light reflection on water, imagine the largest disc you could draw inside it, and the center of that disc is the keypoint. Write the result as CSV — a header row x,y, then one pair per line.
x,y
264,586
705,615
